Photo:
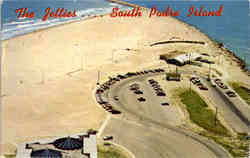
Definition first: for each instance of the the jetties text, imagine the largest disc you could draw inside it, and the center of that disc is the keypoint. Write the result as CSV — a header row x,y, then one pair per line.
x,y
49,13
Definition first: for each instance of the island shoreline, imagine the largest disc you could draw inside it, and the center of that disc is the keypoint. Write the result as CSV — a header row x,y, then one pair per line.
x,y
241,63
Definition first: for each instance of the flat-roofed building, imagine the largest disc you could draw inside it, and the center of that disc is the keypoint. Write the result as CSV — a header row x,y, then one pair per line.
x,y
179,58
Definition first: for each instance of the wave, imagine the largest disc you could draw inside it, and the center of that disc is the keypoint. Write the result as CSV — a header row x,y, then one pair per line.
x,y
23,26
18,22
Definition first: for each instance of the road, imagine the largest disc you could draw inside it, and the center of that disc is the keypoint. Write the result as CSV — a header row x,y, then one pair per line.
x,y
234,110
146,129
229,114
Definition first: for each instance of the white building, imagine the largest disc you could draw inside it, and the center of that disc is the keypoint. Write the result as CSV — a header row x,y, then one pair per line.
x,y
182,59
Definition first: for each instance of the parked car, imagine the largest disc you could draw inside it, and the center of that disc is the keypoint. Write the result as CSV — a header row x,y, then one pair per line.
x,y
151,81
202,87
222,85
134,88
165,104
160,93
231,94
138,92
116,79
217,80
141,99
116,98
107,137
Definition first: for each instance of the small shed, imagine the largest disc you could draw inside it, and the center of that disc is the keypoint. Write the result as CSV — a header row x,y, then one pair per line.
x,y
173,76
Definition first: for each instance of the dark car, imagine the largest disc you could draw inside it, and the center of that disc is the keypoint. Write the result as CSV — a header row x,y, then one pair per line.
x,y
217,80
141,99
202,87
151,81
161,70
115,112
116,98
231,94
160,93
134,88
121,76
222,85
165,104
116,79
138,92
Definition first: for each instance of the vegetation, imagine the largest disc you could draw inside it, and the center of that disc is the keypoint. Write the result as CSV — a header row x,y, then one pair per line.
x,y
243,92
109,151
173,74
9,156
237,148
200,114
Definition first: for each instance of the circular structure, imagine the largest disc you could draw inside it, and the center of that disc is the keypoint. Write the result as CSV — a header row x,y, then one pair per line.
x,y
68,143
46,153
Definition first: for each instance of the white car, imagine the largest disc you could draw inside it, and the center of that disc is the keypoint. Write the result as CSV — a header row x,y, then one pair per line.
x,y
107,137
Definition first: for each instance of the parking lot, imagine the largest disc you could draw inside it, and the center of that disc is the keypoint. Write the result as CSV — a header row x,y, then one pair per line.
x,y
148,102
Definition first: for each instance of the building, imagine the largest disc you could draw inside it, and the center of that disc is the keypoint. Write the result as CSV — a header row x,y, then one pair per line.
x,y
80,146
179,58
173,76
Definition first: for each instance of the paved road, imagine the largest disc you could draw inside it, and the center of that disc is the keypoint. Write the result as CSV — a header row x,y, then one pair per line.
x,y
145,142
234,110
229,114
147,135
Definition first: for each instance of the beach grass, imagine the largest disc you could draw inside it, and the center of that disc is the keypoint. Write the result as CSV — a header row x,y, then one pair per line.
x,y
236,147
9,155
200,114
243,92
204,117
110,151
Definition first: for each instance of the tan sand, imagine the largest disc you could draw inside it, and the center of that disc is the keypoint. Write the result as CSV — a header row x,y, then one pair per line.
x,y
42,98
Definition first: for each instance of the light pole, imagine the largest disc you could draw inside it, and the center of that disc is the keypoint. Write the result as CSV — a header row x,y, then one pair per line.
x,y
209,71
215,118
78,51
98,78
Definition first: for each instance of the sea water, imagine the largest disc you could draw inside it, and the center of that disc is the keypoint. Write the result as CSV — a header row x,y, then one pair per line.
x,y
232,28
12,26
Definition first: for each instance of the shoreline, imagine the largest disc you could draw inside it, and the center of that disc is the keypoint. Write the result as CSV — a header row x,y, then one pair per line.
x,y
51,27
241,63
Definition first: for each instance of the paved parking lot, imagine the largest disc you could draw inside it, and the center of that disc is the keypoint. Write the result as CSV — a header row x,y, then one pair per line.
x,y
150,108
149,130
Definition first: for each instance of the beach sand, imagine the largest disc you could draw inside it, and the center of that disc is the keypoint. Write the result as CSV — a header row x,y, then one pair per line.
x,y
49,76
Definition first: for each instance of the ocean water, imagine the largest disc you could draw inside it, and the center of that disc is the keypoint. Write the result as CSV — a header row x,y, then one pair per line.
x,y
12,26
232,28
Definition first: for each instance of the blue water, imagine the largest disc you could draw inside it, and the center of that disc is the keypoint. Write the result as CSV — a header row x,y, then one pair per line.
x,y
12,26
232,28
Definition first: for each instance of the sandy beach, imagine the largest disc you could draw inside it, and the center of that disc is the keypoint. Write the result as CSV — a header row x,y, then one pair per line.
x,y
49,76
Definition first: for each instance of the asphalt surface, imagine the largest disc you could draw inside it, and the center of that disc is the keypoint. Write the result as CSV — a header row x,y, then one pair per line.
x,y
224,107
147,131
